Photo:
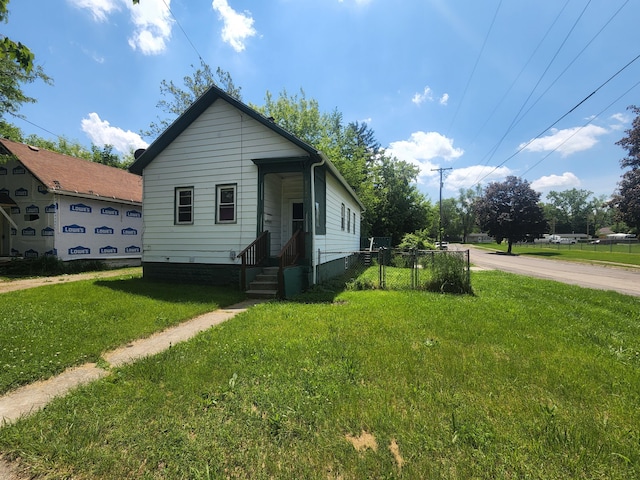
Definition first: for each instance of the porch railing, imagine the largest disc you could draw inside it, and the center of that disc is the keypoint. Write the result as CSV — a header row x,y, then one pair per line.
x,y
289,255
256,253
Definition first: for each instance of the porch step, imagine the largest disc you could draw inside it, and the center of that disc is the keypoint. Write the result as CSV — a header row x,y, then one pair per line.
x,y
265,285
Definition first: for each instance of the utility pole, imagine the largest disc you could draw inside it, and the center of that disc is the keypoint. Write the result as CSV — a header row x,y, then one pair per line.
x,y
440,219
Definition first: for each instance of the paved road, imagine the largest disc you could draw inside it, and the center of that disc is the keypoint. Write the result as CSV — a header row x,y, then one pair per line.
x,y
623,280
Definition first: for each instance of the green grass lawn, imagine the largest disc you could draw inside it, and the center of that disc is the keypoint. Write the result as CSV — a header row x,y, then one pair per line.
x,y
526,379
620,254
47,329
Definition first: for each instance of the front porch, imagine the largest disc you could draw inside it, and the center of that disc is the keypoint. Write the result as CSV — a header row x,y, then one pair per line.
x,y
280,276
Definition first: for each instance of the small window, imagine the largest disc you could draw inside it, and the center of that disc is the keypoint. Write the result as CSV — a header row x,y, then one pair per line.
x,y
348,220
226,198
354,223
342,224
184,206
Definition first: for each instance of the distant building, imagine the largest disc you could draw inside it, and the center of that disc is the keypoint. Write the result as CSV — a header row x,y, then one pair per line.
x,y
70,208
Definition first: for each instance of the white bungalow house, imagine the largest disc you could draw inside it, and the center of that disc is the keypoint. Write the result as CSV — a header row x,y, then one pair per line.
x,y
228,192
56,205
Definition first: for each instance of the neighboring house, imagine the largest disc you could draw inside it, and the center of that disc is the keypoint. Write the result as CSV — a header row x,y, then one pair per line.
x,y
226,190
54,204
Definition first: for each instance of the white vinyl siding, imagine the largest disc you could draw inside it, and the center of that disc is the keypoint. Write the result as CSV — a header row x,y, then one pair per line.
x,y
337,239
216,149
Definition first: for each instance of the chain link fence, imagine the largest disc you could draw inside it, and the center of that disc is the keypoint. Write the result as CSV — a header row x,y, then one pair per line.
x,y
430,270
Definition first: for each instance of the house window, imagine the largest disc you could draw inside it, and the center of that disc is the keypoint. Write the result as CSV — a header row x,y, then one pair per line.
x,y
184,206
226,199
348,220
342,223
354,223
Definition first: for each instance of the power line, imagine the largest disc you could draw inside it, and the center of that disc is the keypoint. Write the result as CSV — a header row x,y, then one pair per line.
x,y
579,129
441,169
475,66
559,119
515,118
184,32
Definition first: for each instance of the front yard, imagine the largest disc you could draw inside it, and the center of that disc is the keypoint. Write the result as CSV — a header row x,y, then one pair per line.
x,y
525,379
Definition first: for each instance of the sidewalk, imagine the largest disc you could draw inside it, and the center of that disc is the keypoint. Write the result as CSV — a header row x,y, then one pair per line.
x,y
33,397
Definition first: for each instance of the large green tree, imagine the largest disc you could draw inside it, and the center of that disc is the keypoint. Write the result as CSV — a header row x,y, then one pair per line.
x,y
626,199
175,99
17,67
465,209
571,209
385,185
510,211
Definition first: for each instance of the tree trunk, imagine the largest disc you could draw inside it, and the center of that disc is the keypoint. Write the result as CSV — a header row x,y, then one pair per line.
x,y
509,243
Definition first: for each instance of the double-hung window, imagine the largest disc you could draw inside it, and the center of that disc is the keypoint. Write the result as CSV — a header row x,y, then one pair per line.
x,y
226,203
348,220
183,214
342,213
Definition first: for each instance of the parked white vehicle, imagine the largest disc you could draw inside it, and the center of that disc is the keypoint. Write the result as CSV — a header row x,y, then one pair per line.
x,y
561,240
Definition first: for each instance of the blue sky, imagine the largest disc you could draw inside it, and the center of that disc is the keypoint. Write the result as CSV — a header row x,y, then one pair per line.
x,y
486,88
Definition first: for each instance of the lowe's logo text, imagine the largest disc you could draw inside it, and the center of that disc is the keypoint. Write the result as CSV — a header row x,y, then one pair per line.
x,y
73,229
134,214
132,249
104,231
129,231
108,250
80,207
109,211
79,250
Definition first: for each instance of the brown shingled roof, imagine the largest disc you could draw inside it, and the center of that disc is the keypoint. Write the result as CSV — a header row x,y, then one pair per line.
x,y
75,176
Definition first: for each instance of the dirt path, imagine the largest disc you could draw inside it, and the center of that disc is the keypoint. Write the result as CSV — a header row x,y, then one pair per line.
x,y
12,285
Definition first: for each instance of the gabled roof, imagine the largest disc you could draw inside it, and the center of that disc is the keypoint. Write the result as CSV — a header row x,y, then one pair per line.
x,y
195,110
73,176
205,101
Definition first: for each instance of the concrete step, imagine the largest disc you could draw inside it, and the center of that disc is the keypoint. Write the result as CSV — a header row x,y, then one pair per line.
x,y
262,293
257,285
263,277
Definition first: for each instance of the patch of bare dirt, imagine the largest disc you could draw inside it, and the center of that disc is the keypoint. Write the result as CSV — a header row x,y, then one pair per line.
x,y
395,451
364,441
11,470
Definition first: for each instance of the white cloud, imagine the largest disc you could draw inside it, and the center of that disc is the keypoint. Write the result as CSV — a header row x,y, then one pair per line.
x,y
238,27
420,98
467,177
621,120
151,19
99,9
427,95
567,141
422,148
565,181
101,133
153,22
